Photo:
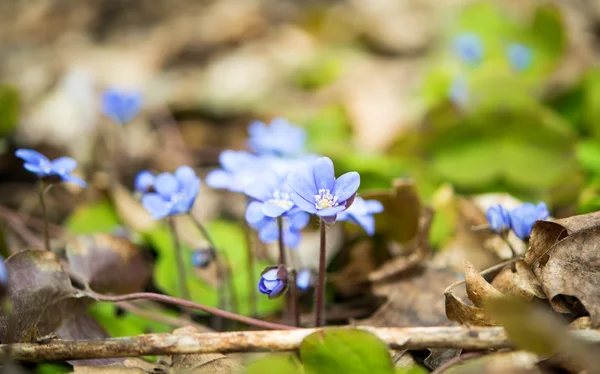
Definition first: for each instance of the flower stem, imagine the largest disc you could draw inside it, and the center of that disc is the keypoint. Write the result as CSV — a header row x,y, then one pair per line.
x,y
320,297
282,259
294,309
223,263
45,216
512,249
250,269
183,288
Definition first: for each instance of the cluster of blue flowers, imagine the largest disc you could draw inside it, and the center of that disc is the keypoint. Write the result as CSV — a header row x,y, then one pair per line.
x,y
520,219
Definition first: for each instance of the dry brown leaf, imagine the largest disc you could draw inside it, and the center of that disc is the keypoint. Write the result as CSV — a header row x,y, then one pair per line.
x,y
478,289
518,362
581,323
352,279
572,272
519,281
457,310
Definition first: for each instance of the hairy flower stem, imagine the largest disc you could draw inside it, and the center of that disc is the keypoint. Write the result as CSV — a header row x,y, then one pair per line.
x,y
320,296
504,237
294,308
282,260
250,269
42,191
223,264
183,288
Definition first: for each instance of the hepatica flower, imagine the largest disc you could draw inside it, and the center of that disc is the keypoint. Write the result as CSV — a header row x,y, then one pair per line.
x,y
316,190
203,257
304,279
273,281
498,218
519,56
272,198
238,170
144,181
469,48
50,171
174,193
121,106
523,217
280,138
293,223
361,212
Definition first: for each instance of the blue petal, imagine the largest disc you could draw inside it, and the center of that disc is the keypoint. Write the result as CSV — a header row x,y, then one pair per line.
x,y
73,179
303,204
64,165
330,211
262,288
166,185
270,275
32,157
292,238
302,181
201,258
143,181
258,190
324,174
303,279
272,210
254,212
269,233
36,169
277,290
156,205
271,285
219,179
367,222
330,220
185,174
298,220
236,160
374,206
346,186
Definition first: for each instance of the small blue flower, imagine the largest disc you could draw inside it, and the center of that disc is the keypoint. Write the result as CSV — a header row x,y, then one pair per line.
x,y
469,48
239,170
144,181
293,223
316,190
281,138
203,257
498,218
304,279
459,92
272,198
121,106
273,281
523,217
175,193
361,212
519,56
51,171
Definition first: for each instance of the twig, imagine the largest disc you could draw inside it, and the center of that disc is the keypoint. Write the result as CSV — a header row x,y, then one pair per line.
x,y
474,338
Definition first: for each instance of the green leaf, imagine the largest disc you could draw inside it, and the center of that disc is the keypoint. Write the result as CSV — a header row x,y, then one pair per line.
x,y
119,323
9,109
344,350
411,370
96,217
275,364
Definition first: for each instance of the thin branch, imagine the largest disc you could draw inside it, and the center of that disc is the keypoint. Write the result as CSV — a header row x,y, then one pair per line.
x,y
476,338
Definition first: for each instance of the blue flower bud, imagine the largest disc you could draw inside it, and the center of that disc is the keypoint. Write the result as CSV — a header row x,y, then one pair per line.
x,y
519,56
203,257
498,218
522,218
273,281
304,279
3,278
469,48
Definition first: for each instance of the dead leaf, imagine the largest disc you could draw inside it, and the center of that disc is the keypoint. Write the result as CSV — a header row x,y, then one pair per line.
x,y
478,289
352,279
457,310
519,281
108,263
517,362
572,272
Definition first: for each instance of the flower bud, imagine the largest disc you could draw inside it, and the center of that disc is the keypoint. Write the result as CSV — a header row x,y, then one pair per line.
x,y
203,257
304,279
498,218
274,281
3,279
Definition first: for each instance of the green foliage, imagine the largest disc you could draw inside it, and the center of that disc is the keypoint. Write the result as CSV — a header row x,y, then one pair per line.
x,y
343,350
280,364
10,107
97,217
125,323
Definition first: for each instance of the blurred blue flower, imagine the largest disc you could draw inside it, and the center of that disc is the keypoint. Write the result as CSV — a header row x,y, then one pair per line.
x,y
469,48
51,171
121,106
238,170
280,138
316,190
519,56
459,92
203,257
272,198
304,279
273,281
175,193
3,279
498,218
523,217
293,223
361,212
143,181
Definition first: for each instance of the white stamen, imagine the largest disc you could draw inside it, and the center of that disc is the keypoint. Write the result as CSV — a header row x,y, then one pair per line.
x,y
325,200
281,199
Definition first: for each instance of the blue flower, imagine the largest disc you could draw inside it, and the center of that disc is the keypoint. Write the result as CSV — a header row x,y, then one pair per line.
x,y
469,48
239,170
121,106
523,217
361,212
304,279
272,198
273,281
143,181
293,223
519,56
281,138
316,190
202,258
459,92
498,218
51,171
175,193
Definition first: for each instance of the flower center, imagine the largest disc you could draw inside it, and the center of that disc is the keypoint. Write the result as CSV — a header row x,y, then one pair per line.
x,y
281,199
325,200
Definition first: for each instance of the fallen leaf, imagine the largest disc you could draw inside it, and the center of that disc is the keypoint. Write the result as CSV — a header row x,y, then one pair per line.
x,y
352,279
517,362
457,310
518,281
478,289
109,264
